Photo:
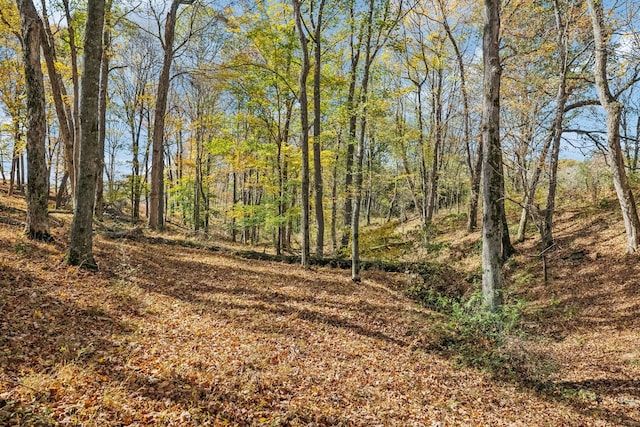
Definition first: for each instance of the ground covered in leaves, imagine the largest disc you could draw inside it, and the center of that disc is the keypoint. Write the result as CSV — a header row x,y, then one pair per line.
x,y
172,335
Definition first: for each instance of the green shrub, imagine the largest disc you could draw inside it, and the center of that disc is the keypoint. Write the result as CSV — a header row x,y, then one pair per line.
x,y
469,332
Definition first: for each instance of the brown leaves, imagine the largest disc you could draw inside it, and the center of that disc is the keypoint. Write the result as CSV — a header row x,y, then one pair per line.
x,y
180,336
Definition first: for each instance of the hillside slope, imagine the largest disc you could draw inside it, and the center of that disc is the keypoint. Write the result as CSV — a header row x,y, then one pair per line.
x,y
166,335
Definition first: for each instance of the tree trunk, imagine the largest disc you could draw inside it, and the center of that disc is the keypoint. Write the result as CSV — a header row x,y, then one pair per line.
x,y
423,159
544,222
474,196
357,193
59,93
317,115
102,106
81,245
492,159
334,202
15,165
613,110
546,230
37,194
156,202
304,139
75,79
62,189
234,232
400,126
474,170
351,137
438,125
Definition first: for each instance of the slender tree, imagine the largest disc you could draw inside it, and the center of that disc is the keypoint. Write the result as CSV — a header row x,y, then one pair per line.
x,y
81,246
156,208
102,124
613,110
37,187
355,49
375,37
475,167
66,123
304,139
317,116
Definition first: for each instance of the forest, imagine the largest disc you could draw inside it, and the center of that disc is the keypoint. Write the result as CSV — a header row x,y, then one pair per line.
x,y
319,212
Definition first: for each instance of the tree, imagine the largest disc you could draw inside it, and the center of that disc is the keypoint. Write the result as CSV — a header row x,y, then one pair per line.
x,y
37,185
156,208
492,181
131,87
81,246
376,34
12,87
102,105
66,123
317,117
475,167
304,138
613,110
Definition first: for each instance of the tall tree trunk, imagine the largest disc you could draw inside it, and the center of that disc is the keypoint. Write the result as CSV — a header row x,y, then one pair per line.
x,y
474,169
81,246
546,229
334,201
156,208
62,189
15,157
544,218
424,175
37,194
63,112
317,115
437,143
530,189
613,109
492,159
304,139
400,126
370,155
75,79
355,49
102,106
234,232
474,196
357,193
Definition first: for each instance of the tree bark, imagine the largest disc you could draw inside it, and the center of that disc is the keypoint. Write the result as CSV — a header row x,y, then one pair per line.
x,y
355,49
613,110
37,184
63,112
546,229
544,218
437,143
317,115
474,169
75,79
81,246
357,193
492,159
102,108
334,201
156,208
304,137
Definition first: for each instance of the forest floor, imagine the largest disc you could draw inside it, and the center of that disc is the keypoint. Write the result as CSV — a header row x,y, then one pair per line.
x,y
172,335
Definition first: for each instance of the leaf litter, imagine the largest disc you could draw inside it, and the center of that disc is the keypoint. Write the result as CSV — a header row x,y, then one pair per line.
x,y
181,336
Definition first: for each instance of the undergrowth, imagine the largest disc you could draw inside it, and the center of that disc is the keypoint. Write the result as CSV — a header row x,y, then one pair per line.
x,y
474,336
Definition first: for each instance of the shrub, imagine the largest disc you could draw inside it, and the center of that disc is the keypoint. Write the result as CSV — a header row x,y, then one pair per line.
x,y
471,334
